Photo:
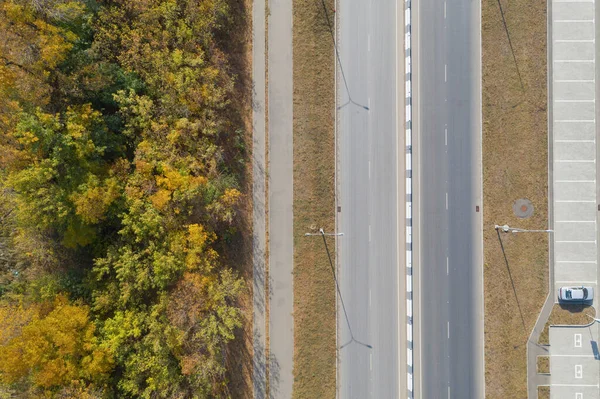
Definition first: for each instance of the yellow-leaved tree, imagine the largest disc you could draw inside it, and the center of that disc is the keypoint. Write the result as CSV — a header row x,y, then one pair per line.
x,y
50,345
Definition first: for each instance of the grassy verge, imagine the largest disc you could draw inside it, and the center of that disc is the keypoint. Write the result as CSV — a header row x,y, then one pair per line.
x,y
514,166
567,315
543,392
239,49
314,289
543,364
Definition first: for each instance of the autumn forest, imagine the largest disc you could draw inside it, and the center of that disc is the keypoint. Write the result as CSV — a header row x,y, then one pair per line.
x,y
122,167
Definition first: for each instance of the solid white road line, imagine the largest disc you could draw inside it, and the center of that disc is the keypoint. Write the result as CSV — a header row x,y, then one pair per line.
x,y
574,20
575,181
574,41
574,221
575,161
584,61
574,81
575,261
446,136
369,233
369,170
447,266
575,120
574,385
578,242
583,201
448,330
445,73
446,200
574,141
444,10
572,355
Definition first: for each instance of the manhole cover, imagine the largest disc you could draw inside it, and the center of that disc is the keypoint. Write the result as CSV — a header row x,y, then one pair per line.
x,y
523,208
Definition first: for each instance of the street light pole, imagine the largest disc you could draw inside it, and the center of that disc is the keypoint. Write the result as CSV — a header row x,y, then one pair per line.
x,y
507,229
322,233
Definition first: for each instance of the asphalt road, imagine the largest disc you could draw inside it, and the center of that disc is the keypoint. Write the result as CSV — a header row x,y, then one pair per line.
x,y
449,357
368,184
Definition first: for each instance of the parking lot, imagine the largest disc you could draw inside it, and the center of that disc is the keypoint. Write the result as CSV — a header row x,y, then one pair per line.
x,y
574,143
574,364
574,369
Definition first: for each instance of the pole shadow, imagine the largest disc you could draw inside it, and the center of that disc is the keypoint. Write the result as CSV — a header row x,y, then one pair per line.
x,y
339,294
511,279
512,50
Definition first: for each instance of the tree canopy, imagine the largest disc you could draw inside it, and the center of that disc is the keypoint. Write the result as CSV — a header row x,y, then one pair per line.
x,y
119,179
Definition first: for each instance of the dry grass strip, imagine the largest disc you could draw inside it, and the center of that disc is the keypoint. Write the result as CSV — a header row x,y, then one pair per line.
x,y
314,289
515,163
567,315
543,364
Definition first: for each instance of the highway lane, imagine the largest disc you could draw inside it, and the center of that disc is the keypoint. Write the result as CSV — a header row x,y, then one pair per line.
x,y
368,182
447,96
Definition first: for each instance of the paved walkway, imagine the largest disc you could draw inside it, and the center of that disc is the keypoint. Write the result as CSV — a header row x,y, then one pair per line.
x,y
277,167
280,175
534,349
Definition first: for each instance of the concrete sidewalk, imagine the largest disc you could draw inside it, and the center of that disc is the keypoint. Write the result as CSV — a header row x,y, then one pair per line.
x,y
281,196
276,165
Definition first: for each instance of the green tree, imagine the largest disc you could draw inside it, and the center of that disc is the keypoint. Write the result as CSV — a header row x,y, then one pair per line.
x,y
68,175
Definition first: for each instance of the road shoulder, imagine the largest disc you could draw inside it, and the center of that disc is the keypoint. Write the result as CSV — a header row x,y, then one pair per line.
x,y
259,234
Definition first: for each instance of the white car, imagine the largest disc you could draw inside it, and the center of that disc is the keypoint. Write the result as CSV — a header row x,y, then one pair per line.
x,y
575,294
